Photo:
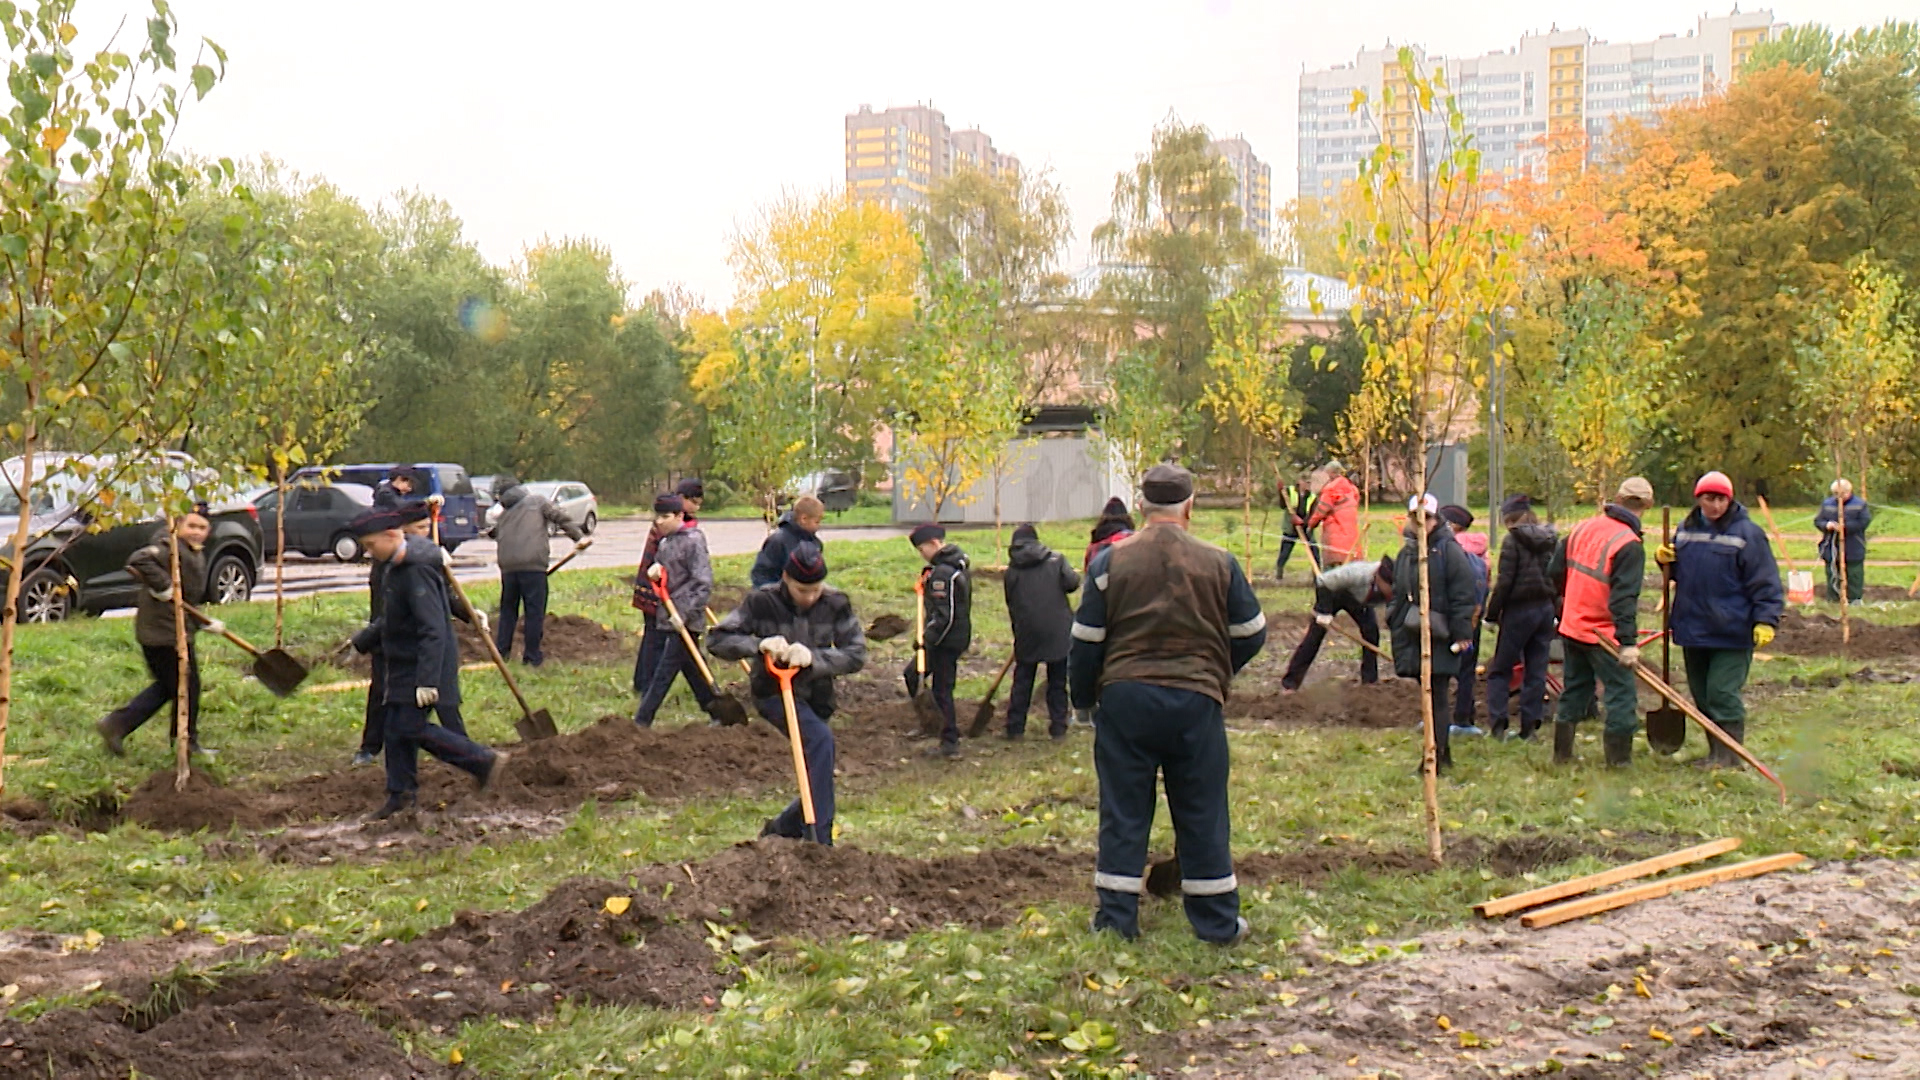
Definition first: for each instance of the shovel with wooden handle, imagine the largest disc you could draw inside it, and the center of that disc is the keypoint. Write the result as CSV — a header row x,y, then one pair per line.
x,y
534,724
276,669
745,666
726,708
1666,725
568,557
1660,687
1360,641
784,676
983,716
931,722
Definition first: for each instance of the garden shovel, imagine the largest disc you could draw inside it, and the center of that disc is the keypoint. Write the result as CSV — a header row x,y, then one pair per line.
x,y
534,724
784,676
1666,725
725,708
568,557
276,669
1713,730
983,716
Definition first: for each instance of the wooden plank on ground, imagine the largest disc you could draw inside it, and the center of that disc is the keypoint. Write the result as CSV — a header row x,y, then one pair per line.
x,y
1699,879
361,684
1505,905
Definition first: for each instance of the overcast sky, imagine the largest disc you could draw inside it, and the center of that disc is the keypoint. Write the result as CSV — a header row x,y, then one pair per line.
x,y
657,128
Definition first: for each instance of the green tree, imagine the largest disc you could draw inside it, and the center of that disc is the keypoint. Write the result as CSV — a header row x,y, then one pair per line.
x,y
755,396
1139,423
1597,406
1247,392
1857,374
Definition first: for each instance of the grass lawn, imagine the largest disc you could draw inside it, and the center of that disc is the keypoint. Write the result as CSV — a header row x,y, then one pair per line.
x,y
1033,994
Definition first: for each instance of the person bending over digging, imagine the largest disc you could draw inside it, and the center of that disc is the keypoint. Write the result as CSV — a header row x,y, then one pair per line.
x,y
798,622
1354,588
1165,623
416,638
152,569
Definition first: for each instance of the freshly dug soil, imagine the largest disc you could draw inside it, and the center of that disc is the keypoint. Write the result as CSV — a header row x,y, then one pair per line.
x,y
1793,974
569,639
610,760
1324,702
1806,635
886,628
289,1038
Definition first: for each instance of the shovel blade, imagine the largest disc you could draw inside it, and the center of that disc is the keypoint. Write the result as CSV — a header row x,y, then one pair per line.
x,y
535,726
1666,730
982,719
1163,880
279,672
932,723
728,710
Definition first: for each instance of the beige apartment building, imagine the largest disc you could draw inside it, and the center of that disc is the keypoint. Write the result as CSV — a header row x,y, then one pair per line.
x,y
1552,83
1255,180
894,156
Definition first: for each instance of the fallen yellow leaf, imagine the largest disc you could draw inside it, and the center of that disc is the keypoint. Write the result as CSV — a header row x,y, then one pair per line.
x,y
1656,1033
618,905
1640,987
1445,1024
422,905
455,1057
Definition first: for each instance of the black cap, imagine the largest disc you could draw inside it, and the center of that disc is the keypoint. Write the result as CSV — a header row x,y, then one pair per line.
x,y
925,533
411,511
1116,507
368,522
1167,485
806,564
1025,532
669,503
1457,516
1516,504
403,472
690,488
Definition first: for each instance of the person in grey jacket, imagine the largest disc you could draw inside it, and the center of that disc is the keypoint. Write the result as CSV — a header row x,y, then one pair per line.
x,y
680,560
798,622
151,568
1038,582
521,534
1354,588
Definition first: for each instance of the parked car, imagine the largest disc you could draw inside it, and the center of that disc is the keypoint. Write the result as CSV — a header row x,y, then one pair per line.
x,y
460,518
72,567
837,489
316,518
483,492
574,499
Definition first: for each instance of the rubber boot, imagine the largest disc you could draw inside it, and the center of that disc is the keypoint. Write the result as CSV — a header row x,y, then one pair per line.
x,y
1442,749
1562,743
1619,748
1725,758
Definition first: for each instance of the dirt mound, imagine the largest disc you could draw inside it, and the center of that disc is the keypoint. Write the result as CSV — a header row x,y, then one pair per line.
x,y
886,628
609,760
569,639
1390,703
292,1038
1820,634
1794,974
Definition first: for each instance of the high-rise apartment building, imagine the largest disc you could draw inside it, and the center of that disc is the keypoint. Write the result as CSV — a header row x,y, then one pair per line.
x,y
1255,185
1552,83
894,156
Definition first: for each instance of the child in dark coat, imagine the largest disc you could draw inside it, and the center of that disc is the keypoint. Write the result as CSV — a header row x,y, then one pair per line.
x,y
1038,583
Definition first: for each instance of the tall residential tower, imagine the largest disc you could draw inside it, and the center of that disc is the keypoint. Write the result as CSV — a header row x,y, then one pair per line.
x,y
894,156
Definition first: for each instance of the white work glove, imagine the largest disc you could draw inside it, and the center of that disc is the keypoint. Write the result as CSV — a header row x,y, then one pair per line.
x,y
1833,526
215,626
436,501
162,595
1323,619
656,572
426,697
1630,656
1460,647
798,656
480,620
775,646
674,619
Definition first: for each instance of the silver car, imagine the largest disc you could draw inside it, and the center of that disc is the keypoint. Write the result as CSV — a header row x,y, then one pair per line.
x,y
573,498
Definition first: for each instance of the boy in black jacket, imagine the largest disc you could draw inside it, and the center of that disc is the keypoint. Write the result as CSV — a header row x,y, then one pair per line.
x,y
1525,605
1038,583
949,625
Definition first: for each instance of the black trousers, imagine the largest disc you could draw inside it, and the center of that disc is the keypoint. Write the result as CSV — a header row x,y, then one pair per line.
x,y
653,642
163,664
816,745
522,589
1288,540
943,670
1526,636
373,730
1464,679
1142,732
408,731
1442,743
1326,602
671,662
1020,697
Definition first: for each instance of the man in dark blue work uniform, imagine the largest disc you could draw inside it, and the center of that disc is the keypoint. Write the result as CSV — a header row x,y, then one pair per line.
x,y
1163,627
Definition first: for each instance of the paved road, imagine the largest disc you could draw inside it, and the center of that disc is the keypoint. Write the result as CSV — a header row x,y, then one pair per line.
x,y
616,544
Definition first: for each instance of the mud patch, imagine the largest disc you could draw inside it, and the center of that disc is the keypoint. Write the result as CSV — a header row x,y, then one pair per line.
x,y
1809,635
886,628
569,639
1390,703
47,965
1794,974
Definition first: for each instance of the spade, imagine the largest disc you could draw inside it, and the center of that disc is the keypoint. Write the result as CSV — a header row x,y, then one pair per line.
x,y
1666,725
725,707
534,724
983,716
276,669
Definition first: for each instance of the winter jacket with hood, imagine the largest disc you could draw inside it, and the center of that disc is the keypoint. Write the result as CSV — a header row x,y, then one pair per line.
x,y
1859,516
152,567
1522,579
949,592
828,629
521,532
1725,581
416,640
1452,602
775,550
683,555
1338,509
1037,584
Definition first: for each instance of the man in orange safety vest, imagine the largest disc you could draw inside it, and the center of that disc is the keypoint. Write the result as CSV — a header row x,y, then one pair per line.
x,y
1597,570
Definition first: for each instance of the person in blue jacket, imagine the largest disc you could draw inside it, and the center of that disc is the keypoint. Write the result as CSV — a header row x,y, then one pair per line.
x,y
1828,522
1727,601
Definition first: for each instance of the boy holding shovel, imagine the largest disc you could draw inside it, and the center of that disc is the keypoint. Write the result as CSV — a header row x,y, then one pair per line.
x,y
948,626
152,568
803,623
680,559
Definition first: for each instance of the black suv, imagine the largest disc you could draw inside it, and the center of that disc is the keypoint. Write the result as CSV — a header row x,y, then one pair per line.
x,y
72,568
